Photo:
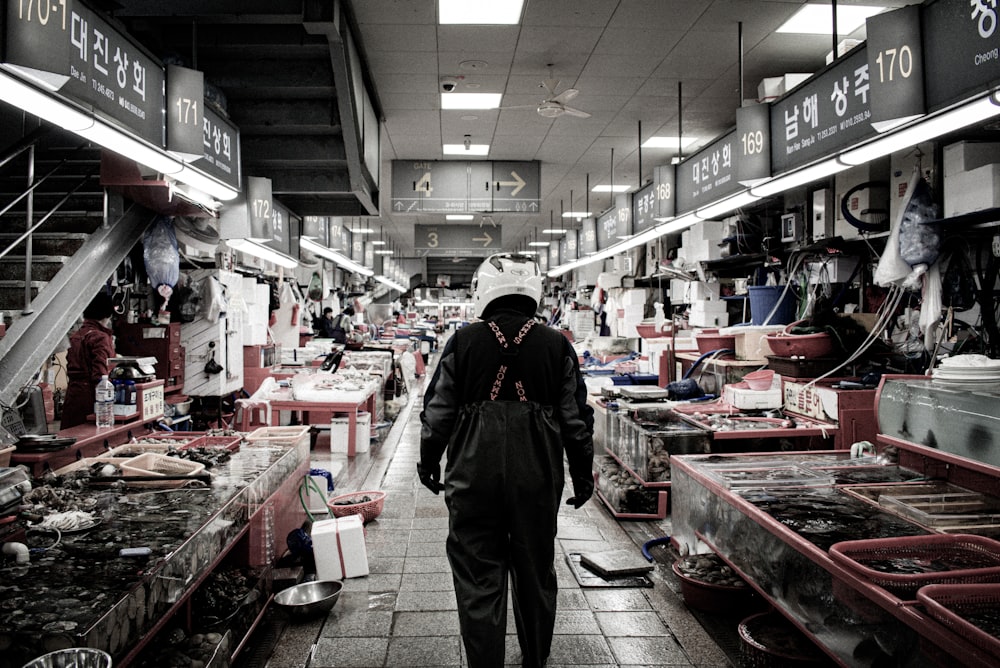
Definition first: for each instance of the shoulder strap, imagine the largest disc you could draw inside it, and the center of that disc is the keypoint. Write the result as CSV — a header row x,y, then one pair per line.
x,y
506,351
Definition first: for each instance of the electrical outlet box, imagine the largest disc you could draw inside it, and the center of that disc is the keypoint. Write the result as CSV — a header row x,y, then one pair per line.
x,y
791,227
822,214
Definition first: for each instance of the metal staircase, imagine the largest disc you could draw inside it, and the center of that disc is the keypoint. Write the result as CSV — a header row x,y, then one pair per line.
x,y
61,236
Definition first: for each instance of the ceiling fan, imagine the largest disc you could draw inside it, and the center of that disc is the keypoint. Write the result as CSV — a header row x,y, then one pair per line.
x,y
554,106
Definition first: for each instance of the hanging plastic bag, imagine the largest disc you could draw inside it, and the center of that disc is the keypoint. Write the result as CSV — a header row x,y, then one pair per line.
x,y
919,242
160,255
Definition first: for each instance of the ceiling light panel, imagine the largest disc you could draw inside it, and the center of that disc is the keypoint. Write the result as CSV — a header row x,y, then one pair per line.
x,y
817,19
470,12
462,149
470,100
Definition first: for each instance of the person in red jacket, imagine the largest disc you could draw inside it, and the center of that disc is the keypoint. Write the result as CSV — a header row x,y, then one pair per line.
x,y
90,346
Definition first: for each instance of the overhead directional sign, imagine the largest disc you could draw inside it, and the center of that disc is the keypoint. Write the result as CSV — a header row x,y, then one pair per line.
x,y
448,239
460,186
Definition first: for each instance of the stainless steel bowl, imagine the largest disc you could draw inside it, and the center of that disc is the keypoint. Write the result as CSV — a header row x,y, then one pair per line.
x,y
74,657
180,408
309,599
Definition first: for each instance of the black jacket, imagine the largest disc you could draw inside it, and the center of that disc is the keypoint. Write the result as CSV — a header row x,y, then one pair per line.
x,y
545,364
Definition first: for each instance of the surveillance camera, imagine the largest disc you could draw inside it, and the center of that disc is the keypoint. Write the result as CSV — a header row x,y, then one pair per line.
x,y
448,84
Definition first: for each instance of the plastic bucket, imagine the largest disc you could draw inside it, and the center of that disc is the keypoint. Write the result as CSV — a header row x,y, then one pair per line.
x,y
762,300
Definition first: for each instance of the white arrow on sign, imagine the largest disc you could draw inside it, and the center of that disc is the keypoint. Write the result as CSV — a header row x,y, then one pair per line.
x,y
486,239
517,184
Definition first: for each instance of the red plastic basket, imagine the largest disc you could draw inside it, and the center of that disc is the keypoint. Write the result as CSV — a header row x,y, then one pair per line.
x,y
712,597
368,510
953,605
939,558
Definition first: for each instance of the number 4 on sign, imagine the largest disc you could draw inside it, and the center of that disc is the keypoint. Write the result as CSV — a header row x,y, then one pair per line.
x,y
424,184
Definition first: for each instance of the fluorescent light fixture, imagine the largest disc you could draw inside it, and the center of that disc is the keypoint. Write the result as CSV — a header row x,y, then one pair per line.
x,y
528,252
538,244
391,284
798,178
462,149
610,189
553,231
956,118
470,100
459,216
384,251
478,12
362,230
334,256
726,205
377,242
83,122
263,252
669,142
577,214
817,19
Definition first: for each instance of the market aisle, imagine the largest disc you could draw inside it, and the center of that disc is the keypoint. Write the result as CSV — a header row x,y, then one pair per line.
x,y
404,612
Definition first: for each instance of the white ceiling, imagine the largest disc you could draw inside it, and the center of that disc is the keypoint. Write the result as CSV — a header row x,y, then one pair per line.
x,y
626,57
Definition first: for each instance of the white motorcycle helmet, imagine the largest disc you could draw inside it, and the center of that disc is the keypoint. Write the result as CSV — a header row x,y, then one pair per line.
x,y
502,275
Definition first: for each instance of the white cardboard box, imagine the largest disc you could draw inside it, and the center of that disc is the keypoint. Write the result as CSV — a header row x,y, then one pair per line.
x,y
339,548
964,156
974,190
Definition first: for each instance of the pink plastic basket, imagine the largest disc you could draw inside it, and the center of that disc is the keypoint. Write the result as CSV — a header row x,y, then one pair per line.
x,y
933,559
369,509
959,607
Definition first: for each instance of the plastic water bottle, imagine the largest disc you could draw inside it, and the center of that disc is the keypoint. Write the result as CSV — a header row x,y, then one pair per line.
x,y
104,403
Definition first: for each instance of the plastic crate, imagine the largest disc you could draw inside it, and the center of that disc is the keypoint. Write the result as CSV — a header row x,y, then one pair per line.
x,y
87,462
959,606
135,449
156,464
938,558
278,436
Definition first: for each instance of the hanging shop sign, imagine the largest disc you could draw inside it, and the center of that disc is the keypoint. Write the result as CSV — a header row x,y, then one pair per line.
x,y
569,246
961,45
220,149
357,248
294,234
828,113
260,206
339,237
315,228
448,239
896,67
553,254
753,146
370,255
615,224
644,208
185,111
708,175
459,186
663,181
588,237
75,51
280,223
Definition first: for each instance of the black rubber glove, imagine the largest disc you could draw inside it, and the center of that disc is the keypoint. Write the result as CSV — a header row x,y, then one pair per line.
x,y
581,494
430,477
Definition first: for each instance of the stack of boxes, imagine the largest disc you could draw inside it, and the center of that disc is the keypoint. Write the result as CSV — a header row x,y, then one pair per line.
x,y
701,242
971,177
630,314
706,309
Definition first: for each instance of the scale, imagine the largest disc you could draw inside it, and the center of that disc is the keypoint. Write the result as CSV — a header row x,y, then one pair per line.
x,y
139,369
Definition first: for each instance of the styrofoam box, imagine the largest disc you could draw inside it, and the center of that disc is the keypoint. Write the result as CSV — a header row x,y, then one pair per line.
x,y
974,190
751,341
747,399
362,436
700,291
773,87
837,270
700,251
963,156
708,319
338,542
708,306
634,296
316,500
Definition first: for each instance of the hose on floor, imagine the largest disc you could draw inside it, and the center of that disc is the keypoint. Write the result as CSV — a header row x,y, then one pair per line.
x,y
653,543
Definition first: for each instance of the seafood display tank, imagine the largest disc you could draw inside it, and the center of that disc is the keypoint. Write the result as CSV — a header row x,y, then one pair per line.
x,y
114,585
785,522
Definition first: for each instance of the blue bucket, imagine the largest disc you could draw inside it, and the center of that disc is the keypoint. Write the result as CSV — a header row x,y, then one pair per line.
x,y
762,300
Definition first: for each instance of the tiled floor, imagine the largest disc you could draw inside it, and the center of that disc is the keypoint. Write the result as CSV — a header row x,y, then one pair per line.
x,y
404,614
